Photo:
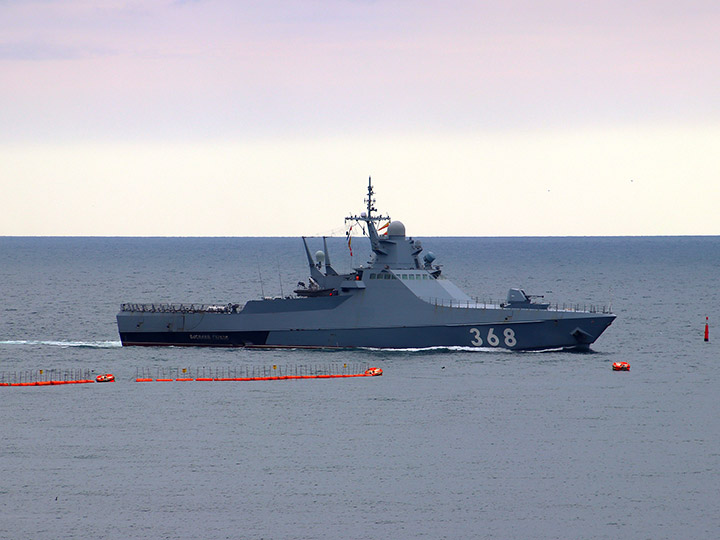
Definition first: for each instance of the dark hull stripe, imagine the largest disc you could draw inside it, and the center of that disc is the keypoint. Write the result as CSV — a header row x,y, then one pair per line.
x,y
190,339
170,344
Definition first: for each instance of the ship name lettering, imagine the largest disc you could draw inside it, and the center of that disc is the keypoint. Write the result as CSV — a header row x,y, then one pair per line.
x,y
209,336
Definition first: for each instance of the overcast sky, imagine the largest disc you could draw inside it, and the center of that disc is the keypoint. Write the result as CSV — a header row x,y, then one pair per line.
x,y
265,118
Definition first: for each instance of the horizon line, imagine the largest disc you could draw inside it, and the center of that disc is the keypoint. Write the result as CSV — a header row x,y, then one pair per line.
x,y
357,237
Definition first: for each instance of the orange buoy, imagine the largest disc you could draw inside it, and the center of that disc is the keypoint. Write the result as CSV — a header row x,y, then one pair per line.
x,y
621,366
373,372
107,377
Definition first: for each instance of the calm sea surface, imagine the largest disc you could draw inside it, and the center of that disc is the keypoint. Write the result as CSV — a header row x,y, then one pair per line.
x,y
446,444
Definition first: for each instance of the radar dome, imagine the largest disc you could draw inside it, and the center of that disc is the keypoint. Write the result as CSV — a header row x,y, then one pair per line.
x,y
396,228
319,256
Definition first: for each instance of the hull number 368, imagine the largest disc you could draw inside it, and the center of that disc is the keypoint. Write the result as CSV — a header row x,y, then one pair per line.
x,y
492,338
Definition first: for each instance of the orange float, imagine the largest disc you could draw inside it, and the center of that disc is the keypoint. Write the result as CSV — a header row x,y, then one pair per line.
x,y
621,366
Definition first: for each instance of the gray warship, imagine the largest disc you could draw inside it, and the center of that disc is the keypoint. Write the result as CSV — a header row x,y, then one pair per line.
x,y
398,300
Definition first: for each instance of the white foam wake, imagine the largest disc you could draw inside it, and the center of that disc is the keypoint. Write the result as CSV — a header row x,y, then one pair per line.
x,y
64,344
439,349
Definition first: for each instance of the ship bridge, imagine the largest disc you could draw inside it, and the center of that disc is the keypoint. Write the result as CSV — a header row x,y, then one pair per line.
x,y
421,283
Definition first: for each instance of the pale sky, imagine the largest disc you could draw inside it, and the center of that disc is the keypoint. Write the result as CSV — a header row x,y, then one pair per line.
x,y
265,118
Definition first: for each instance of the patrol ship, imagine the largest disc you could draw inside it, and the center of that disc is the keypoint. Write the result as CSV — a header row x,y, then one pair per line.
x,y
400,299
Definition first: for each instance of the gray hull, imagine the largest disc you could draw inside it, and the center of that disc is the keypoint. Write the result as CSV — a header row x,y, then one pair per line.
x,y
299,323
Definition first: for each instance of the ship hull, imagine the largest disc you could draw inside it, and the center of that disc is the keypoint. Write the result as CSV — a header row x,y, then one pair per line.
x,y
553,331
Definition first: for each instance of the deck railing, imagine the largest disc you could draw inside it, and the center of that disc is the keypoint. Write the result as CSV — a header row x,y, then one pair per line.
x,y
477,303
181,308
473,303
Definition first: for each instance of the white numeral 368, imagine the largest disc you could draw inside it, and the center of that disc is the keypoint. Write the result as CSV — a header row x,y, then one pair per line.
x,y
492,339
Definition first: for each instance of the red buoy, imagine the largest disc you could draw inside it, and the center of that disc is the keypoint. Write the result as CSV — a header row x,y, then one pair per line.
x,y
707,330
621,366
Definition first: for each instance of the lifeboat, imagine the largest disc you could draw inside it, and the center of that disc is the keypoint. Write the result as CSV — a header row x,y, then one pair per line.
x,y
107,377
621,366
373,372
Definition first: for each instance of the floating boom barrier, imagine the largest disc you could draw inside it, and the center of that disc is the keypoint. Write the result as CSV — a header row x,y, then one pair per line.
x,y
50,377
256,373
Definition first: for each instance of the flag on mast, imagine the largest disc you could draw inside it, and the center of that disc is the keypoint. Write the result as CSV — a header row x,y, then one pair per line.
x,y
349,239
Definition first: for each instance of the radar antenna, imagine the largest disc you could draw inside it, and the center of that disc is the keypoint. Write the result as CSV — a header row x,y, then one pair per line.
x,y
369,219
370,199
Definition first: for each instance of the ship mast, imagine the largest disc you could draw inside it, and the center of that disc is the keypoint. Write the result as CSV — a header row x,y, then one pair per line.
x,y
369,219
370,199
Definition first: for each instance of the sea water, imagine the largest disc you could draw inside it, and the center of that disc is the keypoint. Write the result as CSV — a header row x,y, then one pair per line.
x,y
446,444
